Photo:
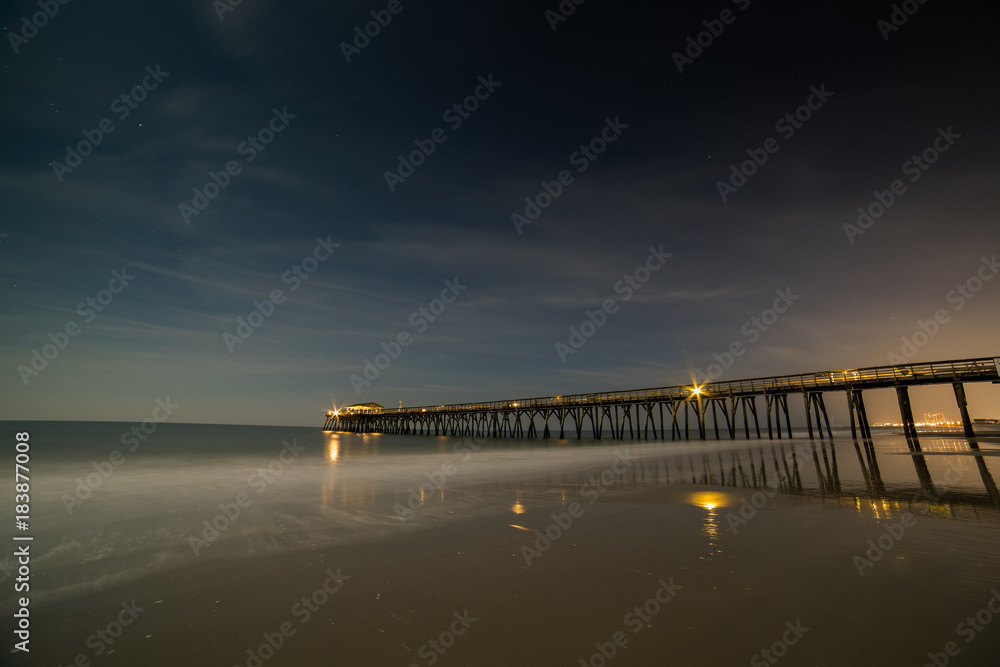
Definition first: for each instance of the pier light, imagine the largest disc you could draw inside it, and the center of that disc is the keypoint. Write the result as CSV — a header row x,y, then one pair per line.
x,y
696,391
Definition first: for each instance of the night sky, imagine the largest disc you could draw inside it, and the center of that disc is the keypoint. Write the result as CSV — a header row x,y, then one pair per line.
x,y
618,128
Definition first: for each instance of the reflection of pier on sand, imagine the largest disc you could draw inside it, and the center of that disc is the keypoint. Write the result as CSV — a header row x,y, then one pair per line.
x,y
943,474
943,469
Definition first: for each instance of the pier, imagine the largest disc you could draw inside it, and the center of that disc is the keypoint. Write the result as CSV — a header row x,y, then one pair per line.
x,y
683,411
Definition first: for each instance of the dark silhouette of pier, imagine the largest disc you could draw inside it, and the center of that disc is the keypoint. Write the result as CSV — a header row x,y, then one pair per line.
x,y
683,409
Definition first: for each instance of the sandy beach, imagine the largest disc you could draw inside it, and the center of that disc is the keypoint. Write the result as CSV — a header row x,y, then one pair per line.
x,y
789,568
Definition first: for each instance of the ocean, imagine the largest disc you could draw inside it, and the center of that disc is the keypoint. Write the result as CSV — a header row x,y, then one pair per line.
x,y
251,546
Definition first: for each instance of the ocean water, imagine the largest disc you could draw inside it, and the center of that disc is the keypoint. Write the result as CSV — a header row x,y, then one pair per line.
x,y
762,533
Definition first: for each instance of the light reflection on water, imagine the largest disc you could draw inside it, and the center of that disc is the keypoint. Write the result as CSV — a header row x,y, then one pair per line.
x,y
711,501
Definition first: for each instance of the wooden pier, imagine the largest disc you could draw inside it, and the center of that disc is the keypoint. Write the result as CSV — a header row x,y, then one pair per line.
x,y
682,410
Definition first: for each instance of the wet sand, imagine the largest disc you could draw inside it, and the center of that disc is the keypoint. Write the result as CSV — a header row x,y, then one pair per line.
x,y
791,563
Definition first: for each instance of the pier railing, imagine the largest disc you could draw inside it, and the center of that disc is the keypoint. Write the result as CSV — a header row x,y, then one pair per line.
x,y
938,372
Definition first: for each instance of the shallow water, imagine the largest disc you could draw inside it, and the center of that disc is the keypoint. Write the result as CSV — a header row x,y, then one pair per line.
x,y
880,552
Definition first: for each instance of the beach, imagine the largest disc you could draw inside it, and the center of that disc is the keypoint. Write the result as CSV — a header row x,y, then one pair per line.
x,y
512,552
